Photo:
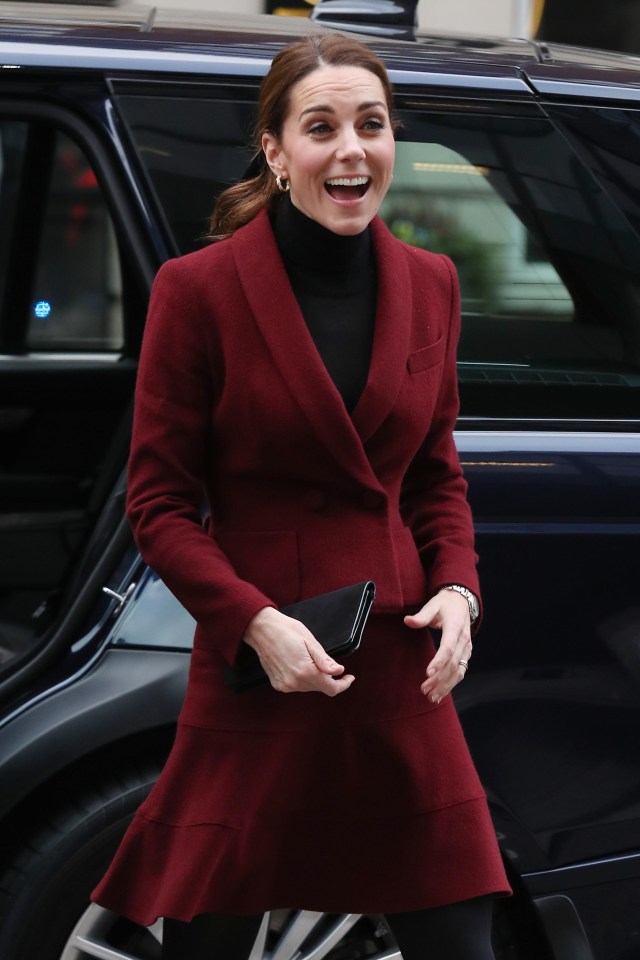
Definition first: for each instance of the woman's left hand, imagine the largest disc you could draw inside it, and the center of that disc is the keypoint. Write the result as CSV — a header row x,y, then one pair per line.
x,y
449,612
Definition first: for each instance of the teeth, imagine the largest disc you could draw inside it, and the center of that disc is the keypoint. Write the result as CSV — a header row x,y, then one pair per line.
x,y
348,181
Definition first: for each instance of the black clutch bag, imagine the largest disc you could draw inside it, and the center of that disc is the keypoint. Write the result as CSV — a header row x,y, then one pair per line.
x,y
336,620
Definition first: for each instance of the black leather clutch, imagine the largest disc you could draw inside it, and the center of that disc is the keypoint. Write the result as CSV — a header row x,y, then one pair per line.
x,y
336,620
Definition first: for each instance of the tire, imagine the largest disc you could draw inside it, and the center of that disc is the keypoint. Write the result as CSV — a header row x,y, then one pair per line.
x,y
45,889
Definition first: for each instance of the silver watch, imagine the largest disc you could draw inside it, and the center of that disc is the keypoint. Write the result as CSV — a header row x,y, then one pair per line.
x,y
472,600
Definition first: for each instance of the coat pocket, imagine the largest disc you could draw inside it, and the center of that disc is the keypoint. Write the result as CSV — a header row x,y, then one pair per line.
x,y
266,558
427,357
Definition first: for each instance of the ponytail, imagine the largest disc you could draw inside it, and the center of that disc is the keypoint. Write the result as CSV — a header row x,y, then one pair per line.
x,y
239,204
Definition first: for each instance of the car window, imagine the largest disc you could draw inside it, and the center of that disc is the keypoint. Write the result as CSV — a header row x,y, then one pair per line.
x,y
442,202
548,266
67,296
192,148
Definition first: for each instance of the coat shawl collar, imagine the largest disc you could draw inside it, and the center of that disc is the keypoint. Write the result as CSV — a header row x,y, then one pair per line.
x,y
276,312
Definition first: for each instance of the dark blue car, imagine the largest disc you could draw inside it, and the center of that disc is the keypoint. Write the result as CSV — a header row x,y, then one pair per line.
x,y
521,161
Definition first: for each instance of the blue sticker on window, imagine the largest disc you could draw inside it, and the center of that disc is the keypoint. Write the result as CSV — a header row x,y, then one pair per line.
x,y
42,309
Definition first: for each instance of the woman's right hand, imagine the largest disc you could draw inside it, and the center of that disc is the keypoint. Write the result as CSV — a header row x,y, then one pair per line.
x,y
293,659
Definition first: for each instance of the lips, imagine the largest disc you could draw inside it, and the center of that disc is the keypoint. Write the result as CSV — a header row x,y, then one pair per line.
x,y
347,188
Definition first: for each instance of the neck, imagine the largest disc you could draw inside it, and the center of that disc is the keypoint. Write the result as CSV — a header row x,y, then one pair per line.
x,y
309,249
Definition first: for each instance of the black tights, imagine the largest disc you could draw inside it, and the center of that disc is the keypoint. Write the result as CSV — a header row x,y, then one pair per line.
x,y
459,931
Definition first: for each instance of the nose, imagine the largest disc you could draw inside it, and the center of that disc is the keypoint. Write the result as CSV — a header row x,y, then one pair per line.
x,y
350,147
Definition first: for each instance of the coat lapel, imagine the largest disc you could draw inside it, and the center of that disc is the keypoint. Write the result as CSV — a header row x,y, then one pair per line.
x,y
276,312
391,335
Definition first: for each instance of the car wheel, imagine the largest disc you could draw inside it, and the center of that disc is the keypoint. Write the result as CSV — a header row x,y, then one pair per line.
x,y
285,933
45,887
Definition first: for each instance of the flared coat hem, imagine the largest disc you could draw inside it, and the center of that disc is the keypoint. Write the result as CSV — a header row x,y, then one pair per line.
x,y
363,803
382,874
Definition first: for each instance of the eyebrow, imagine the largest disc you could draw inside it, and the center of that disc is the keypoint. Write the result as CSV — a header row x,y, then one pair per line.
x,y
326,108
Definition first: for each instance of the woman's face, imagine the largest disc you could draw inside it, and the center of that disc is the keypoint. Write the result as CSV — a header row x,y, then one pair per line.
x,y
337,147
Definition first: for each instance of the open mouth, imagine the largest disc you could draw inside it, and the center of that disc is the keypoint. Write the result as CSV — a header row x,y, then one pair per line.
x,y
347,188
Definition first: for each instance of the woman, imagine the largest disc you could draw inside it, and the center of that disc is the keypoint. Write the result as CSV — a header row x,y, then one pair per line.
x,y
301,375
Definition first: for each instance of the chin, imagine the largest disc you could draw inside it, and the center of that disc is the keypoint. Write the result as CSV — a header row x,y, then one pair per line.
x,y
348,226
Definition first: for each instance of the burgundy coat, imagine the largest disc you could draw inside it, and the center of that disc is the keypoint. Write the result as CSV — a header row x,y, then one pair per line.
x,y
312,498
269,800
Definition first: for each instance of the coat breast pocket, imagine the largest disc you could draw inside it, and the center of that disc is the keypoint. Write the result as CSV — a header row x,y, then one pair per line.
x,y
427,357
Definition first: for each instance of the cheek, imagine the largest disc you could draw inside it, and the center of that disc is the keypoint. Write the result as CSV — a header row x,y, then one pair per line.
x,y
385,161
390,160
307,171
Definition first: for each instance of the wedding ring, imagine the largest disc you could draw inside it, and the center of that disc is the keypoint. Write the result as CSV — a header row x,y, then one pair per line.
x,y
464,663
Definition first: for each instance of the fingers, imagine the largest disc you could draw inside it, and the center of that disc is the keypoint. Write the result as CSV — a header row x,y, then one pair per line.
x,y
323,661
333,686
307,678
445,669
327,679
450,612
292,658
425,617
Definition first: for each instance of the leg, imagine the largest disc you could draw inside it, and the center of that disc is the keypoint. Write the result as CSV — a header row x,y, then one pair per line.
x,y
210,936
458,931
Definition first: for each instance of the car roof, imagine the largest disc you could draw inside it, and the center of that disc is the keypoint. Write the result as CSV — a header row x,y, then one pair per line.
x,y
135,37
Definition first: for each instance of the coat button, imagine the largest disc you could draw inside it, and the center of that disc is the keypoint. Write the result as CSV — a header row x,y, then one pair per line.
x,y
315,500
373,500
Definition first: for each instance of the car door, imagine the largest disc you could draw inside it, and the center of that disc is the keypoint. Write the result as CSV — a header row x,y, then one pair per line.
x,y
549,437
72,300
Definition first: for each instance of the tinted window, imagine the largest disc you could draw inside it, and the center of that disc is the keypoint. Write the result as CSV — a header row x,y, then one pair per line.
x,y
59,269
192,149
547,264
440,201
549,267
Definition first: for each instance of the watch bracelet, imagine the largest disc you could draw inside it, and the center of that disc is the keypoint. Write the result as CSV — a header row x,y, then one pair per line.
x,y
470,597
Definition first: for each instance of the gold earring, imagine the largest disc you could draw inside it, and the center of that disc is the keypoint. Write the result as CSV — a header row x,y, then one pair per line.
x,y
283,187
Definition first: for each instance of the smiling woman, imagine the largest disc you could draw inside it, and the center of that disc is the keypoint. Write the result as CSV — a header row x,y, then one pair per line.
x,y
342,139
303,371
336,148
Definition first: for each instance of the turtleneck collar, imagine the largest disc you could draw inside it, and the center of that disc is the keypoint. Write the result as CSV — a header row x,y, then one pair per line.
x,y
319,258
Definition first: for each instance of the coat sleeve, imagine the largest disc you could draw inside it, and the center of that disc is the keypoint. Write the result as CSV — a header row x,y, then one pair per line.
x,y
166,491
434,492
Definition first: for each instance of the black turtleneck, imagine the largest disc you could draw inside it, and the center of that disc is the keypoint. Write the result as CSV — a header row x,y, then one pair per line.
x,y
334,281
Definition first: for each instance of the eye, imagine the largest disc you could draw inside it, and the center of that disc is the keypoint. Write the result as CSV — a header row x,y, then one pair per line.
x,y
319,129
373,123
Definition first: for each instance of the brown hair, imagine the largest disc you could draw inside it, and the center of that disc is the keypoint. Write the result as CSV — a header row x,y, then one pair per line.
x,y
240,203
